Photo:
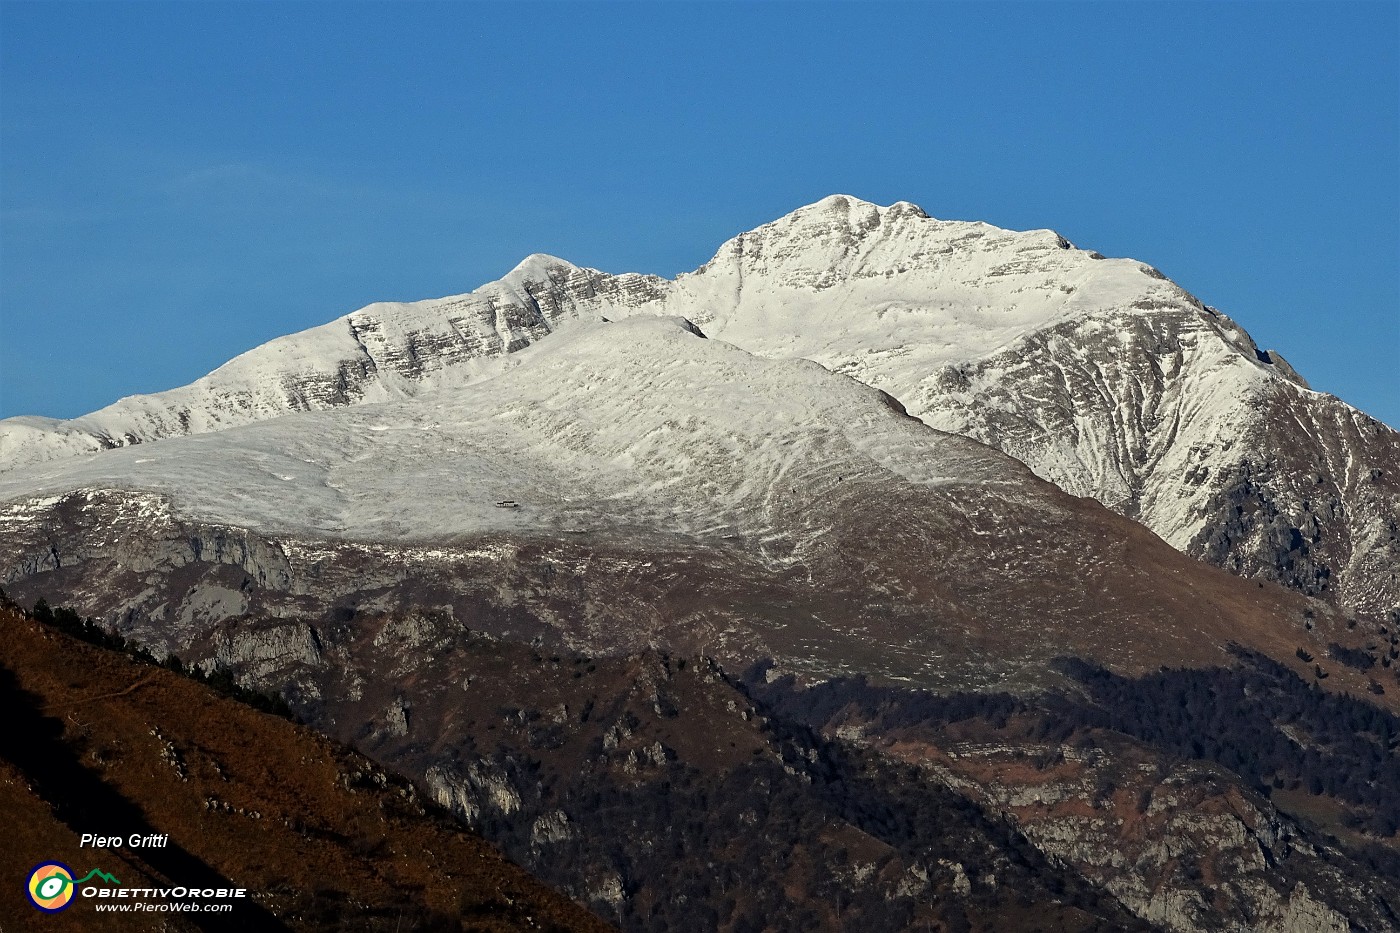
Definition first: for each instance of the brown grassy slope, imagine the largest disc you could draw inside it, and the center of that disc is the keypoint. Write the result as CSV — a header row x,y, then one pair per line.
x,y
322,837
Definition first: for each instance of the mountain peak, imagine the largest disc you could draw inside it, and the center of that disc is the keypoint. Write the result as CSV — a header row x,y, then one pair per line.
x,y
849,211
849,204
538,267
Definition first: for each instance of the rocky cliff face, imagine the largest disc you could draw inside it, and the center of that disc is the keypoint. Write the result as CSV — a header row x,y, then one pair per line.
x,y
1183,843
1181,846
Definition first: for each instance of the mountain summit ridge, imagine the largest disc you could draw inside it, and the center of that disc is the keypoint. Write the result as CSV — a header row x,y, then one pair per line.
x,y
328,353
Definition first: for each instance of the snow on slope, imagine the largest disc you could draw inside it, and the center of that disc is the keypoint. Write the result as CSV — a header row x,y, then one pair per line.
x,y
630,428
887,291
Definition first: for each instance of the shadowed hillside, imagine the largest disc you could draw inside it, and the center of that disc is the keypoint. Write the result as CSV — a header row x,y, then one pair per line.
x,y
322,838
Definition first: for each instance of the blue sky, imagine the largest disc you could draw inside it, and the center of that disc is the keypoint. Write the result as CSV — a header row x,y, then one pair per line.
x,y
181,182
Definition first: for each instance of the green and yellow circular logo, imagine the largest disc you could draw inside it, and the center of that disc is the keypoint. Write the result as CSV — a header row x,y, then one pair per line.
x,y
51,886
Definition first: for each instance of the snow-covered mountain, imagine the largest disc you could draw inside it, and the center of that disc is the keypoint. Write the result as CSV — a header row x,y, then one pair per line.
x,y
521,542
630,485
1100,374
